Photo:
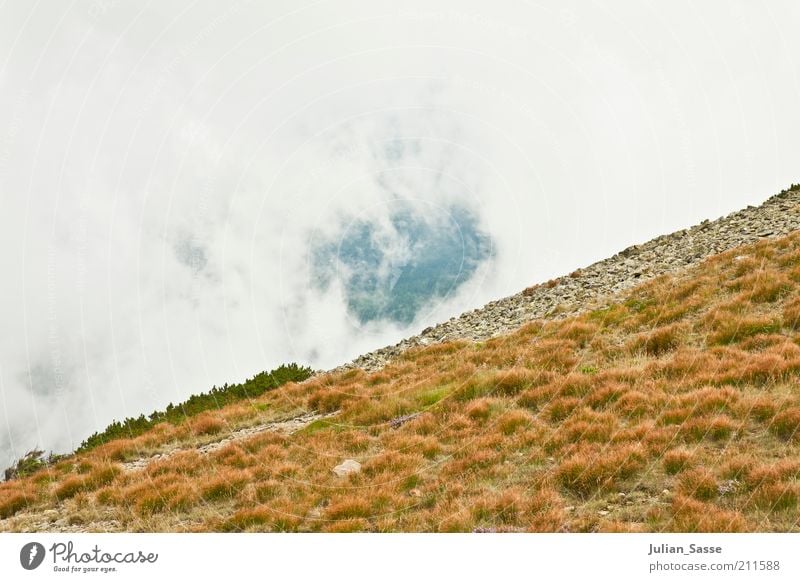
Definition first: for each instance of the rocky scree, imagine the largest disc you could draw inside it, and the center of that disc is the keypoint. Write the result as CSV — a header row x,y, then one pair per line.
x,y
573,293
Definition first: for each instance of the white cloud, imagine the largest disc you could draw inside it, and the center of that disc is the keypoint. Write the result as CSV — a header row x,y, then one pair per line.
x,y
163,168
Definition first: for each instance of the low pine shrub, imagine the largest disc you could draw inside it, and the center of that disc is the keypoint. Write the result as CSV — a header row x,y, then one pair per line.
x,y
214,399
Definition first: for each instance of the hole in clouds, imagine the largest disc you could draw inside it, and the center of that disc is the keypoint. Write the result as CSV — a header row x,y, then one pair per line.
x,y
191,254
47,378
399,265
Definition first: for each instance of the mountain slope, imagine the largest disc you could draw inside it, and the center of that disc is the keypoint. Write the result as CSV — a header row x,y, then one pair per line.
x,y
779,215
673,406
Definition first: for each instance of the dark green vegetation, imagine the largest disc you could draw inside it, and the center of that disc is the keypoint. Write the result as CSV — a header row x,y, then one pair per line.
x,y
214,399
30,462
391,272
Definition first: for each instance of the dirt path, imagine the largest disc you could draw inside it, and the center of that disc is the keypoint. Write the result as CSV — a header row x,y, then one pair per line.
x,y
288,426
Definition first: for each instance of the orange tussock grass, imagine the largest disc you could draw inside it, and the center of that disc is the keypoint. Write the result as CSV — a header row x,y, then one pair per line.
x,y
181,463
206,424
508,507
587,426
761,408
479,409
691,515
729,328
96,475
391,463
579,331
658,341
755,476
606,394
118,450
717,427
553,354
275,517
12,503
633,404
163,494
225,484
347,526
763,286
786,424
515,380
536,397
688,383
233,455
676,460
328,399
698,483
592,469
774,497
14,496
513,421
405,441
791,314
560,408
348,509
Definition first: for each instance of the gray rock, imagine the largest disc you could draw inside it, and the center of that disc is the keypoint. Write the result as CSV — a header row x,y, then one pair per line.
x,y
632,266
347,467
401,420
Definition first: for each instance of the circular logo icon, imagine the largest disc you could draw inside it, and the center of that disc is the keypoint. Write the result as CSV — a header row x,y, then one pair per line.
x,y
31,555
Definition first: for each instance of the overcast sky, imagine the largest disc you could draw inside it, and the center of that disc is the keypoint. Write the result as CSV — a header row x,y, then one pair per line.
x,y
163,166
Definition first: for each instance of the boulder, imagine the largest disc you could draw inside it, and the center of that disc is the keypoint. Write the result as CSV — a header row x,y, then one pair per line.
x,y
347,467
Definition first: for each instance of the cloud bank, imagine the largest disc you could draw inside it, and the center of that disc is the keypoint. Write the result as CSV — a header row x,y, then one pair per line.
x,y
164,167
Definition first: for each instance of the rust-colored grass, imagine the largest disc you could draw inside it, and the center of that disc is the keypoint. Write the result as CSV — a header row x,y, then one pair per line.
x,y
698,483
657,342
593,469
676,460
206,424
786,425
675,407
13,499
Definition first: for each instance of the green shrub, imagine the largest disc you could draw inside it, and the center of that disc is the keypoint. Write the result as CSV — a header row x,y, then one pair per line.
x,y
214,399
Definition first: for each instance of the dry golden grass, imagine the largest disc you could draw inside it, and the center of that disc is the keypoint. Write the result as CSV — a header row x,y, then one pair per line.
x,y
676,460
205,424
91,476
13,498
691,515
698,483
592,469
787,424
658,341
688,384
163,494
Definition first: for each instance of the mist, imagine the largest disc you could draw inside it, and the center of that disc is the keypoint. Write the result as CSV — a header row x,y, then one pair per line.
x,y
166,168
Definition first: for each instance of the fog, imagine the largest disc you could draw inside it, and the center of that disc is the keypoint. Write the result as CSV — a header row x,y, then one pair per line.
x,y
165,167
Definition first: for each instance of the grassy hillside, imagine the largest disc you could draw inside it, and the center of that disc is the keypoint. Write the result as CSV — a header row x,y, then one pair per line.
x,y
674,408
